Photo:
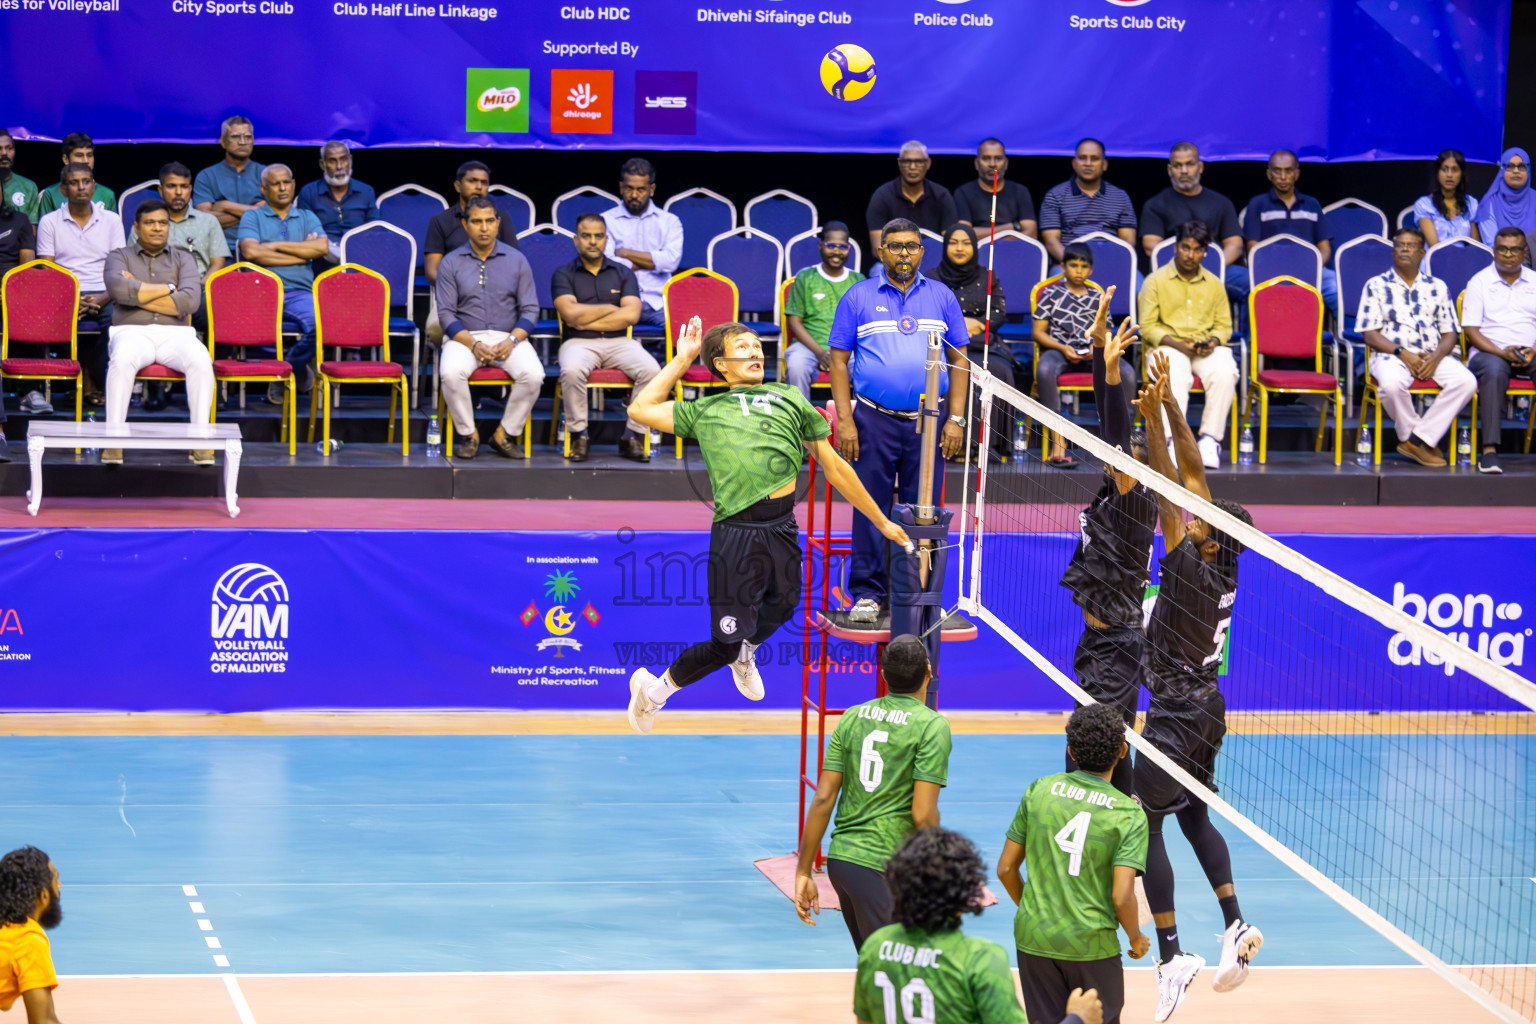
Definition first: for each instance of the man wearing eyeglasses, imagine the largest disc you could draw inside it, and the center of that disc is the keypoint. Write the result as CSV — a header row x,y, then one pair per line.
x,y
812,305
233,185
910,196
1498,314
1407,320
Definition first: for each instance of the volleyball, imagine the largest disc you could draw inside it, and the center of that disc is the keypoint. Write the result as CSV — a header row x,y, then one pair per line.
x,y
848,72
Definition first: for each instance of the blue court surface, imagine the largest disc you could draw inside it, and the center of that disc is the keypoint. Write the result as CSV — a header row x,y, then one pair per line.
x,y
505,853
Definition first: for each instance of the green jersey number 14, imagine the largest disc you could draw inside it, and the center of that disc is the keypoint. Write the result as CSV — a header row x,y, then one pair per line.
x,y
758,402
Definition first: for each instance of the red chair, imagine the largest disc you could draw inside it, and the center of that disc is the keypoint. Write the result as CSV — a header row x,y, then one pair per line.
x,y
1286,318
708,296
823,379
352,312
40,301
598,381
244,303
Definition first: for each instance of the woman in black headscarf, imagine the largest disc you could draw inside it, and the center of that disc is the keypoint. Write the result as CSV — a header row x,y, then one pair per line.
x,y
967,278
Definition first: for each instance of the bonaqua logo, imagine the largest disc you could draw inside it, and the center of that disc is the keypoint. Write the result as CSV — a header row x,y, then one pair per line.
x,y
1475,621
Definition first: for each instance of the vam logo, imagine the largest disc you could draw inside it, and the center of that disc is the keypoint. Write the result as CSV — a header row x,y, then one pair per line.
x,y
250,601
1475,621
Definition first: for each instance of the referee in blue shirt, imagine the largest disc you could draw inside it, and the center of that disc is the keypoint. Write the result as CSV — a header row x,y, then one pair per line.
x,y
879,343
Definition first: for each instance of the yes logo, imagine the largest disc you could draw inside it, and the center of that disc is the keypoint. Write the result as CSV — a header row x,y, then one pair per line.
x,y
666,102
580,102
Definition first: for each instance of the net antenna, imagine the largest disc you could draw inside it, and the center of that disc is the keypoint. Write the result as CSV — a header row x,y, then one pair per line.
x,y
1417,822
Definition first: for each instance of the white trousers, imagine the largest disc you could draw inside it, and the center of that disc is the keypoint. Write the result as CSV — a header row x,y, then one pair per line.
x,y
1392,380
522,365
1217,371
135,346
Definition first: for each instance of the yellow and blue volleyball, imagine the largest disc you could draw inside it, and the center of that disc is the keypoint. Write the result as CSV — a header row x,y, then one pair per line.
x,y
848,72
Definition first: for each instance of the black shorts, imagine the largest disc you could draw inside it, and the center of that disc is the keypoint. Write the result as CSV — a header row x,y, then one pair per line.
x,y
1108,663
865,900
754,562
1190,733
1047,983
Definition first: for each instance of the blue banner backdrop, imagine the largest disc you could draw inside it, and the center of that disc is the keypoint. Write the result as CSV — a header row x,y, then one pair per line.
x,y
231,620
1332,79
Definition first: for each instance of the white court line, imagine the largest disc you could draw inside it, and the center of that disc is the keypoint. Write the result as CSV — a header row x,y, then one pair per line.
x,y
197,908
242,1008
189,890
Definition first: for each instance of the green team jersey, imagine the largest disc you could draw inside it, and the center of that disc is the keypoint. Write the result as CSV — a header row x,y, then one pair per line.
x,y
21,195
752,438
882,747
911,975
52,197
814,298
1075,829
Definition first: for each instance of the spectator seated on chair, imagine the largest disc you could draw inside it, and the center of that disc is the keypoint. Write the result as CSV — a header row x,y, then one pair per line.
x,y
1185,199
1407,320
339,201
487,305
1063,314
1185,313
1447,212
154,290
285,239
1498,314
910,196
78,236
644,237
1015,206
1284,211
78,149
1509,201
231,188
1085,203
811,305
446,232
20,192
967,278
18,238
598,301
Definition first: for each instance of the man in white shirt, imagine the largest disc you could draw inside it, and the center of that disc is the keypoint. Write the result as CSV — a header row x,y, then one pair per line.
x,y
644,237
78,236
1498,314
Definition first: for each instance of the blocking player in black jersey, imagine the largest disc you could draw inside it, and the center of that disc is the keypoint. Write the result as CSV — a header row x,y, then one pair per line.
x,y
1186,713
1109,570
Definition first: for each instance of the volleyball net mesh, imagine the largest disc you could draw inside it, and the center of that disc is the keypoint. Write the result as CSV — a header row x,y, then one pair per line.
x,y
1386,763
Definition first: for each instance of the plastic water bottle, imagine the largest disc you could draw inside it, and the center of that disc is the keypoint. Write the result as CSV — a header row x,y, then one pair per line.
x,y
1245,447
655,439
434,438
1464,447
332,450
1020,440
1363,447
90,417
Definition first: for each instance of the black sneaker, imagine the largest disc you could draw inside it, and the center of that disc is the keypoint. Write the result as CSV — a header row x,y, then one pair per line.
x,y
1488,462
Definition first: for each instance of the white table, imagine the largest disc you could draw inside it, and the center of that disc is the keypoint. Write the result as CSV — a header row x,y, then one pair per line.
x,y
43,434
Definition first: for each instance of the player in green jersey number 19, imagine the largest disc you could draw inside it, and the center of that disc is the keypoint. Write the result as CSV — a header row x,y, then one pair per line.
x,y
752,437
1085,842
923,969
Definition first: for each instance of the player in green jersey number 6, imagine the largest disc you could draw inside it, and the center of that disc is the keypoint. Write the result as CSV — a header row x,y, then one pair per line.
x,y
752,438
894,752
923,969
1085,842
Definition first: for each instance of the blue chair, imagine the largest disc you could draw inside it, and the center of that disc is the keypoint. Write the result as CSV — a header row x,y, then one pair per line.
x,y
754,262
391,253
128,202
1214,261
514,205
1114,263
803,251
1356,262
1018,265
572,204
704,214
781,215
411,208
546,247
1285,256
933,251
1349,219
1455,260
1406,219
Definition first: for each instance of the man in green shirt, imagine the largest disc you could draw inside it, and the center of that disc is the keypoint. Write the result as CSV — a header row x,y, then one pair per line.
x,y
78,149
1085,842
896,750
20,193
751,437
812,303
923,968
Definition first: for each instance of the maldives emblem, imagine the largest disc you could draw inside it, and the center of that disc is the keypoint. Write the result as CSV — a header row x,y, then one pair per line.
x,y
907,324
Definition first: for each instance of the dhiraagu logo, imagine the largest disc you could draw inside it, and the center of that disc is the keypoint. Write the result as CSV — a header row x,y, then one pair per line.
x,y
496,100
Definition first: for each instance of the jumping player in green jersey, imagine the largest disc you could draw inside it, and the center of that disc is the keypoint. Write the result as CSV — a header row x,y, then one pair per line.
x,y
923,968
1085,842
752,437
894,753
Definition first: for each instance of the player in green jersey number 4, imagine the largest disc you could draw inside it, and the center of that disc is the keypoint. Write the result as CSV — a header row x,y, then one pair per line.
x,y
894,753
1085,842
752,438
923,969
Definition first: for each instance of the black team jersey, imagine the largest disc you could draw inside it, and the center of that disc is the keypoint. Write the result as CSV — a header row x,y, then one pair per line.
x,y
1108,573
1189,624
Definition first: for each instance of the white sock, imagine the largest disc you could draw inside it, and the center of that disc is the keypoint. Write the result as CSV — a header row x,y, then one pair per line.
x,y
659,689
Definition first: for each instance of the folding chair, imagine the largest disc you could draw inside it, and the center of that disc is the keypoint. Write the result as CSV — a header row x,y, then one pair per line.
x,y
245,310
1285,317
40,300
710,297
352,311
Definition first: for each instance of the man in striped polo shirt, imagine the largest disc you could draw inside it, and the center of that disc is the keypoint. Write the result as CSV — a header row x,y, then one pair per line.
x,y
879,343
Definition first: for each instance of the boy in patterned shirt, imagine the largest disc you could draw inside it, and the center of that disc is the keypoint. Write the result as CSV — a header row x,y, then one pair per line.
x,y
923,968
1085,842
751,438
894,750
